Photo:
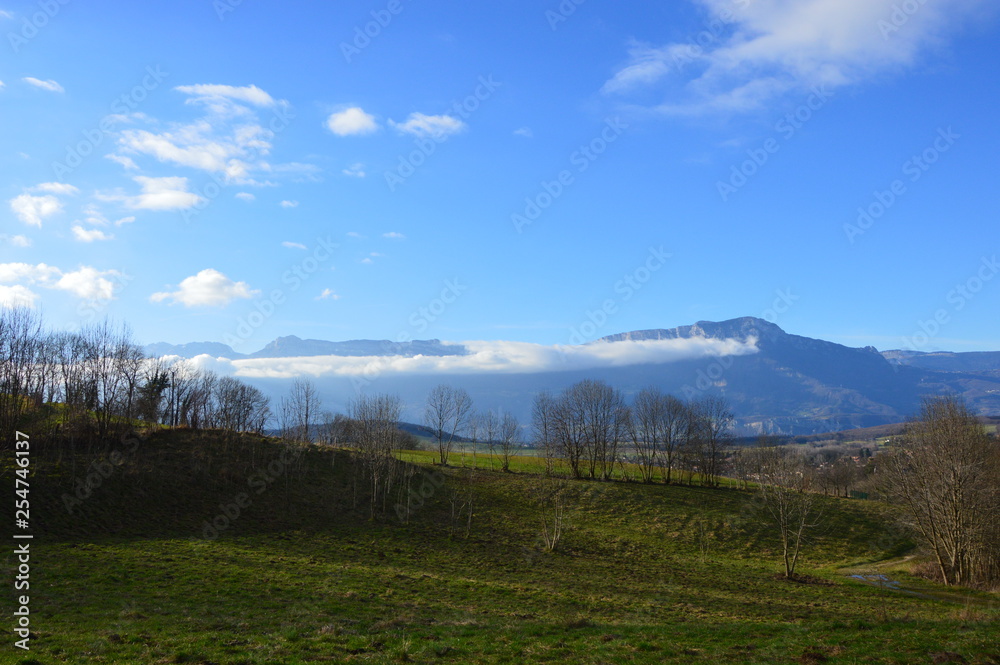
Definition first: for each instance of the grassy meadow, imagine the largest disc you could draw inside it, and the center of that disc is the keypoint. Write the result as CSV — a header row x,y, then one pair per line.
x,y
135,573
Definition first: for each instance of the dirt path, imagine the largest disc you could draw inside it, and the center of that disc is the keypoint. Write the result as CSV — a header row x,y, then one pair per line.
x,y
880,575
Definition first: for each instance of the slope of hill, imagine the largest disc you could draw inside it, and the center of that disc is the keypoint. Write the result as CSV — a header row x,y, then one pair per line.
x,y
195,548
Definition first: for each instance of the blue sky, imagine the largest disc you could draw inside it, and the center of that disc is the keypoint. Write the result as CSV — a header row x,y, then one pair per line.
x,y
516,171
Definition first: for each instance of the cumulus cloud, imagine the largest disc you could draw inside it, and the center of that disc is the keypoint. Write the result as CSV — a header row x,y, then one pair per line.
x,y
229,139
85,282
209,288
436,126
500,358
352,121
289,204
750,53
90,235
48,84
245,196
33,209
17,296
170,193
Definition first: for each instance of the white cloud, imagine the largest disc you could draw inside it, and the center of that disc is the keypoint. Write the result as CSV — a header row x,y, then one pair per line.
x,y
88,283
209,288
48,84
124,220
123,160
289,204
55,188
501,358
229,139
293,245
525,132
352,122
15,241
158,194
770,48
355,170
5,14
328,294
250,94
394,235
17,296
33,209
437,126
367,261
355,235
245,196
2,85
90,235
85,282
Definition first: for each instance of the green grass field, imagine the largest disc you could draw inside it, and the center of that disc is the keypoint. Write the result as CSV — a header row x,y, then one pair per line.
x,y
644,574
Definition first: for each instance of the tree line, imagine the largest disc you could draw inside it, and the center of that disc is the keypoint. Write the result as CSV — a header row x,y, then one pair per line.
x,y
98,383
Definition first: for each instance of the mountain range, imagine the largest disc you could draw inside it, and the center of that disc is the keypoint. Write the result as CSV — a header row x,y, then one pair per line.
x,y
792,384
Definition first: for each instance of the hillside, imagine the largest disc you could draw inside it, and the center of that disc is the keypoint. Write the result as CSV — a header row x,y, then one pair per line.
x,y
644,573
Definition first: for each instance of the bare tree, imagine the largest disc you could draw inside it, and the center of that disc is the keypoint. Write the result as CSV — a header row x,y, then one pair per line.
x,y
544,429
550,496
945,473
447,413
655,427
299,409
713,422
784,495
20,342
509,439
375,430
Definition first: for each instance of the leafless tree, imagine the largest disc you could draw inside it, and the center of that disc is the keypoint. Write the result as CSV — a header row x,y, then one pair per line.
x,y
786,501
544,429
509,439
20,342
375,431
299,409
713,422
655,426
447,414
945,474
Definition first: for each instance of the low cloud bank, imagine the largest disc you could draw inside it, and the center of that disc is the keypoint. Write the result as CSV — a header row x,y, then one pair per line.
x,y
487,358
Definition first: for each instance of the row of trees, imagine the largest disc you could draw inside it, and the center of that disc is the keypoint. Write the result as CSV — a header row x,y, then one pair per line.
x,y
103,382
592,428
